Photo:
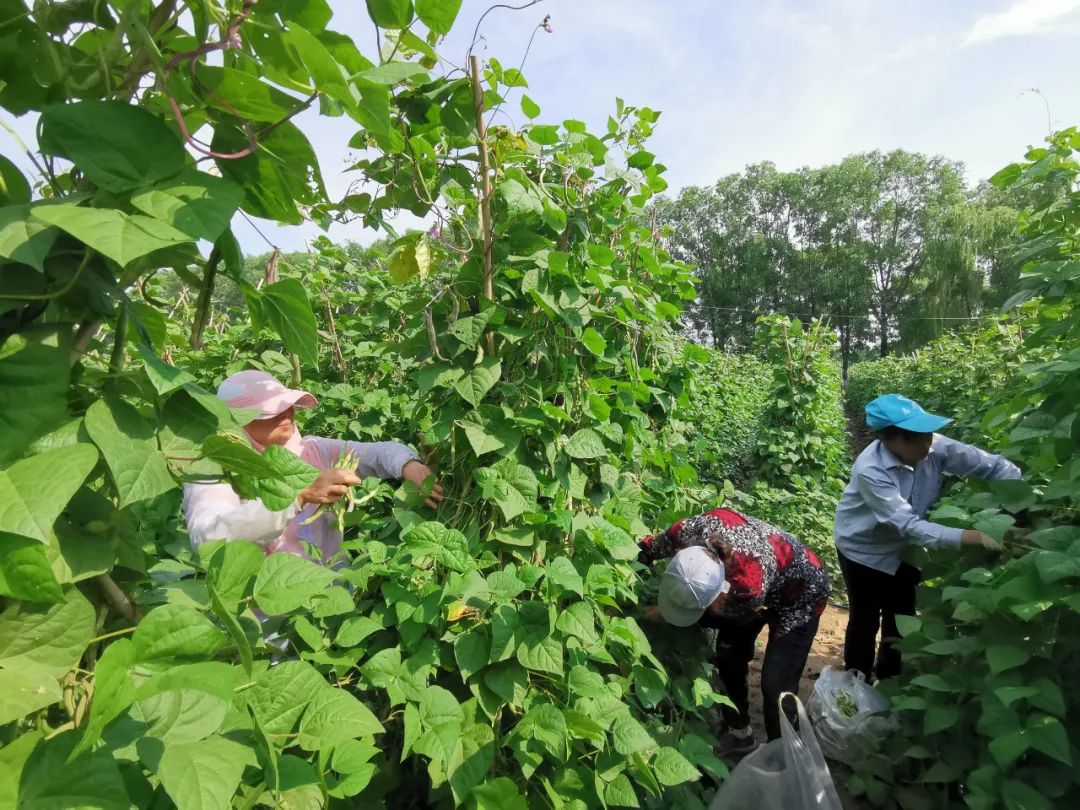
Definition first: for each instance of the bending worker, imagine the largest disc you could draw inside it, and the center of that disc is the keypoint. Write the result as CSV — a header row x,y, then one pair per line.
x,y
894,481
737,574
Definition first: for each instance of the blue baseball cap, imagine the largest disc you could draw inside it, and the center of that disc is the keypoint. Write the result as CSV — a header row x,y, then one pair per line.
x,y
897,410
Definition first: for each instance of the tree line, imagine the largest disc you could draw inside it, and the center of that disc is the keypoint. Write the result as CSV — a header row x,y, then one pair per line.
x,y
892,248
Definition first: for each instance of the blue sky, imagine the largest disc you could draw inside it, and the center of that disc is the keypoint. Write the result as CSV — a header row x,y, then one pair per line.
x,y
797,82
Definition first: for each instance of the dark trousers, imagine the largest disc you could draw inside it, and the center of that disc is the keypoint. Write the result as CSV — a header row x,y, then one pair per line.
x,y
785,657
876,599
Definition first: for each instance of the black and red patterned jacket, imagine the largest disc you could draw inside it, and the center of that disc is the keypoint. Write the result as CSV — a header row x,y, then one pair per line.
x,y
769,570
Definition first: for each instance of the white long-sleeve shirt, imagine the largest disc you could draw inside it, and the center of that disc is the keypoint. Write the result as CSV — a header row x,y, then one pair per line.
x,y
216,512
884,507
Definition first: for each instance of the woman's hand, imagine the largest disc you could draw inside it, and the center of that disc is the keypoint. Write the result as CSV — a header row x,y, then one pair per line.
x,y
329,487
417,473
973,537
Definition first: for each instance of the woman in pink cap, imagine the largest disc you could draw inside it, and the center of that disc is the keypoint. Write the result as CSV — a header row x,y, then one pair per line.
x,y
216,512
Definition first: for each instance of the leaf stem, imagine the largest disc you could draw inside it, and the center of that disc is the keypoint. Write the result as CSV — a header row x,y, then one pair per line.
x,y
114,634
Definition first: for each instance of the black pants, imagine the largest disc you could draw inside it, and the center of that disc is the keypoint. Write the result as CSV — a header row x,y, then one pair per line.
x,y
785,657
876,599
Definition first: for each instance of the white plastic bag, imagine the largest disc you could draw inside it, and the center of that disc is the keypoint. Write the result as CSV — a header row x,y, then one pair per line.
x,y
786,774
845,711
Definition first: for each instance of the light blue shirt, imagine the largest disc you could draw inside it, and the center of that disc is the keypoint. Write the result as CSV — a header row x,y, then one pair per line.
x,y
884,506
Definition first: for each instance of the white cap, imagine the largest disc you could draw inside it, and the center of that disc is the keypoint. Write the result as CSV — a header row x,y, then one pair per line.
x,y
691,582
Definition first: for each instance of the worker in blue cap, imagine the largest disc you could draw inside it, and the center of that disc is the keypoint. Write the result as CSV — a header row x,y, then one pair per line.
x,y
894,482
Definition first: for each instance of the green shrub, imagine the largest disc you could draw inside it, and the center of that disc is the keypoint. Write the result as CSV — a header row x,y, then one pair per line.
x,y
960,374
726,402
986,706
800,454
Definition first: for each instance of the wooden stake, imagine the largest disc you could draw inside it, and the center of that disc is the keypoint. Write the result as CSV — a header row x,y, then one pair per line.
x,y
485,186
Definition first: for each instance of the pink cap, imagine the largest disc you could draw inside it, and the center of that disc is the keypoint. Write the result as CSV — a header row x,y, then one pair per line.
x,y
257,389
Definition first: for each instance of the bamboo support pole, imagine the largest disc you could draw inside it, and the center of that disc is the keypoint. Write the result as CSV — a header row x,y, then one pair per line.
x,y
485,186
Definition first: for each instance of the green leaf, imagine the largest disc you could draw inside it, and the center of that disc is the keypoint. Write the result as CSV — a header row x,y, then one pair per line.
x,y
390,13
1020,796
560,571
13,758
232,569
34,491
195,203
438,15
278,474
448,547
91,780
215,678
127,442
118,146
648,686
481,379
1046,734
37,359
279,176
586,443
333,716
281,694
504,628
543,135
409,260
162,376
286,582
1049,698
472,649
908,624
471,760
355,629
391,73
25,571
176,631
469,330
238,93
508,681
119,236
51,638
578,620
499,794
594,341
519,202
23,238
113,690
24,691
14,189
584,682
620,792
546,724
543,656
439,706
529,107
436,375
939,718
672,768
629,737
995,526
204,774
1001,657
286,306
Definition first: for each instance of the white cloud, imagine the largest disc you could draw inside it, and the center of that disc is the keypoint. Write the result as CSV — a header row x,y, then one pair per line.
x,y
1023,18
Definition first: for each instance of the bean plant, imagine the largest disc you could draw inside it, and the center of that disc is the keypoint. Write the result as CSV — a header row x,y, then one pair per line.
x,y
987,716
485,655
